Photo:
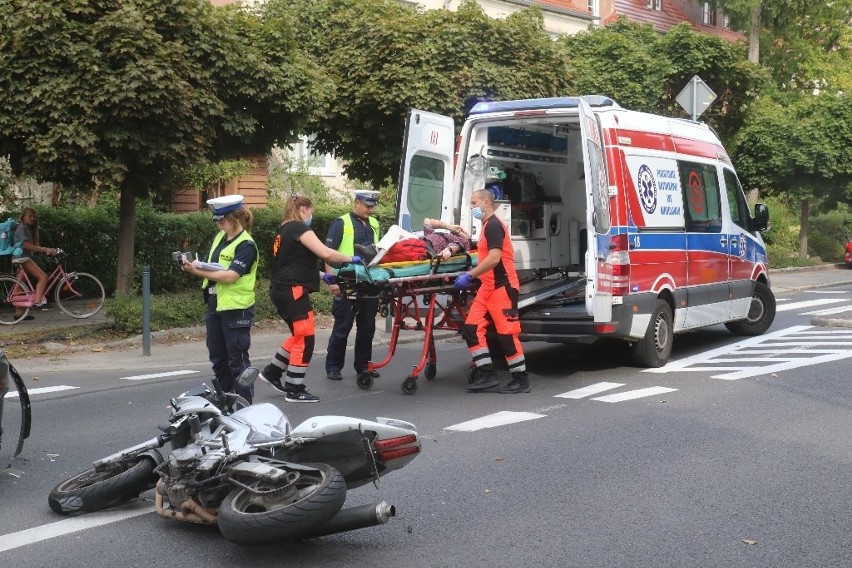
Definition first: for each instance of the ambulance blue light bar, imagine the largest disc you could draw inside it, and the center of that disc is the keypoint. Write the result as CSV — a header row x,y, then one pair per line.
x,y
541,104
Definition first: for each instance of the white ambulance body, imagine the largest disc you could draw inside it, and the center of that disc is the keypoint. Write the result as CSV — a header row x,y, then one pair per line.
x,y
624,224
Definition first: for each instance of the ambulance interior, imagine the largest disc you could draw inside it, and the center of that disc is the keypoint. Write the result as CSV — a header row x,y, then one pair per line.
x,y
534,168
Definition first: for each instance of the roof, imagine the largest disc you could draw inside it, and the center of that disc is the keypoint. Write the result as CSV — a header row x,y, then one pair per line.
x,y
665,19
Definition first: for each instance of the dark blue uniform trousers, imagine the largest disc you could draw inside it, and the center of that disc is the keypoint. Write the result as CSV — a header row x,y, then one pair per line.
x,y
228,343
347,312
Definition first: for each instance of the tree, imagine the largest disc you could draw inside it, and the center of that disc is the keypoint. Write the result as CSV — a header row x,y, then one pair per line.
x,y
802,151
386,58
128,93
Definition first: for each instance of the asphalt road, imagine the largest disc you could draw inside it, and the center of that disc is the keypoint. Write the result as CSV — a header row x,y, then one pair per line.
x,y
737,455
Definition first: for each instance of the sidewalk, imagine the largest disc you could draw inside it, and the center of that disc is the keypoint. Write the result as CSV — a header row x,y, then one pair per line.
x,y
186,346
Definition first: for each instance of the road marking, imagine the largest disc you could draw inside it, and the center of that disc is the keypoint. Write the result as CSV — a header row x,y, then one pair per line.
x,y
68,526
634,394
826,291
157,375
492,420
41,390
807,304
773,350
828,311
589,390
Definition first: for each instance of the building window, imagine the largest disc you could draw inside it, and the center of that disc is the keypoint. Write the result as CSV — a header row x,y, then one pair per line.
x,y
655,5
316,163
709,13
593,7
726,22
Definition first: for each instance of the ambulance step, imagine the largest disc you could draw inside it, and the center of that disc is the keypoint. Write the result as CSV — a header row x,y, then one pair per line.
x,y
533,292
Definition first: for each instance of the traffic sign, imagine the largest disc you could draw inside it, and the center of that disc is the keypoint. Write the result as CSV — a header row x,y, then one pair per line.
x,y
696,97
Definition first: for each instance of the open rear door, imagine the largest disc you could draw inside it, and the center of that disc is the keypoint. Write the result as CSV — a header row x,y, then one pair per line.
x,y
598,290
426,172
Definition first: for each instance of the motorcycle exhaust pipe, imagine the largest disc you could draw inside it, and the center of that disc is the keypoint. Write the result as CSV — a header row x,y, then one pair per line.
x,y
355,518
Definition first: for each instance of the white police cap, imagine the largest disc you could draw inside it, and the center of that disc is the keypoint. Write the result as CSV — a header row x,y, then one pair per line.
x,y
225,204
368,196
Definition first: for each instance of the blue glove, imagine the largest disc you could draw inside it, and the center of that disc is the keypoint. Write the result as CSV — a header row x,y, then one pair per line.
x,y
355,260
329,278
463,280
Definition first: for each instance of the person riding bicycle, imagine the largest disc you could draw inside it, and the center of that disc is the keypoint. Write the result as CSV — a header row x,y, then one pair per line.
x,y
26,237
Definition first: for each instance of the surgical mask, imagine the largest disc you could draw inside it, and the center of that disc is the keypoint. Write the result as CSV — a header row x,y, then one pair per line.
x,y
477,213
308,220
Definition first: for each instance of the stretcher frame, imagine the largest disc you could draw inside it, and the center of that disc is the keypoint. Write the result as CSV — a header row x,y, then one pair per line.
x,y
413,303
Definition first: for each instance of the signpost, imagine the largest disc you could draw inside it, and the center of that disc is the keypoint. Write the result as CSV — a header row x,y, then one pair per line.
x,y
695,97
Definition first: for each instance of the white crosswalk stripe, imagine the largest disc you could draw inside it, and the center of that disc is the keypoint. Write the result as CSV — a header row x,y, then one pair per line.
x,y
42,390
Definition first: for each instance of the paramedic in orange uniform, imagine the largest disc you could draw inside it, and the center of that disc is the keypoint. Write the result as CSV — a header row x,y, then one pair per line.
x,y
496,301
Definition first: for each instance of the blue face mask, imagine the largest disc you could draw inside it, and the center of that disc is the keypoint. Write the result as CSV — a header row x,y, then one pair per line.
x,y
477,213
308,220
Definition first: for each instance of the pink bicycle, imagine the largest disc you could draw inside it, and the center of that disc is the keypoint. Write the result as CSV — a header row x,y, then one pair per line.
x,y
78,294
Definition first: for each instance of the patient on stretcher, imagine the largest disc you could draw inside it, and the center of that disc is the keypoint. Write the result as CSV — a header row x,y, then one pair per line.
x,y
406,247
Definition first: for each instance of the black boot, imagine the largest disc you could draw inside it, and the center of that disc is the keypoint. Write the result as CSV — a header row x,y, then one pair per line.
x,y
518,384
487,379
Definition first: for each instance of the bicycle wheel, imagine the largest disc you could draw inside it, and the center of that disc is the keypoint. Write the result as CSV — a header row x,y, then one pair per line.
x,y
11,289
80,295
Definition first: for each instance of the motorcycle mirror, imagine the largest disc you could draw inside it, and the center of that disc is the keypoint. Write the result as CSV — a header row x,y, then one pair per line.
x,y
248,377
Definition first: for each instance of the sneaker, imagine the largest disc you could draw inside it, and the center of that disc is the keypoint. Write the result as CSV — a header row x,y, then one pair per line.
x,y
300,395
483,382
334,376
275,383
41,304
514,387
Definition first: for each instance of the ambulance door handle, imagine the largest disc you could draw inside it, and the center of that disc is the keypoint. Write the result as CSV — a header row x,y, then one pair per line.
x,y
723,241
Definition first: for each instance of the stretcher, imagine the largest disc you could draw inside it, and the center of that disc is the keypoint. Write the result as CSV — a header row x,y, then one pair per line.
x,y
420,296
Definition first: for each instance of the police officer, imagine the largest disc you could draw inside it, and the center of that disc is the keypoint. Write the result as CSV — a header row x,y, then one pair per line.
x,y
358,227
229,291
496,301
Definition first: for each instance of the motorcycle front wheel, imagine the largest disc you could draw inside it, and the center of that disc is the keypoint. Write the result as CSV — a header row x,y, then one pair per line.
x,y
97,490
267,515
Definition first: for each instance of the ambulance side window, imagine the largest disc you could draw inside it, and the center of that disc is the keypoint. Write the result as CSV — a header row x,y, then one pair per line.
x,y
736,200
425,189
700,186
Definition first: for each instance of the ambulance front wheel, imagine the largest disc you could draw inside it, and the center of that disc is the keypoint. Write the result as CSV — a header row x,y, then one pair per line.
x,y
761,313
655,348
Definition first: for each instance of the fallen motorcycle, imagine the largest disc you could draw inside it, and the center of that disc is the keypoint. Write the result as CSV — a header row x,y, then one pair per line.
x,y
242,467
10,377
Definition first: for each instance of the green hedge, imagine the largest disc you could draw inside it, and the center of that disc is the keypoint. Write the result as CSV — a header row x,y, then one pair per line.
x,y
90,237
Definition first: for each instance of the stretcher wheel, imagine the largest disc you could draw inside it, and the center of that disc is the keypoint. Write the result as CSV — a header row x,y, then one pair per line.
x,y
472,375
409,385
365,380
430,371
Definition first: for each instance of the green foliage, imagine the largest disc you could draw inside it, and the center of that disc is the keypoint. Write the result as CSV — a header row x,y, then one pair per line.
x,y
203,175
386,58
830,232
7,196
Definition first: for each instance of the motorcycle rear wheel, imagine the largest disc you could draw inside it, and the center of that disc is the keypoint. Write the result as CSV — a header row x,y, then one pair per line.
x,y
92,490
249,519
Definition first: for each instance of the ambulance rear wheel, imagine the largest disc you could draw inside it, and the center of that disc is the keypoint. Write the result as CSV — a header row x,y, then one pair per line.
x,y
761,313
409,385
655,348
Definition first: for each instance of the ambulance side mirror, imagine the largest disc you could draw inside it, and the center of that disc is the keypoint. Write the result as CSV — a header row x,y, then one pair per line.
x,y
761,217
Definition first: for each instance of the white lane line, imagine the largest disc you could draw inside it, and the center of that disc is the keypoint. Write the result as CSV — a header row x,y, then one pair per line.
x,y
630,395
807,304
768,369
41,390
680,364
589,390
492,420
157,375
826,291
68,526
828,312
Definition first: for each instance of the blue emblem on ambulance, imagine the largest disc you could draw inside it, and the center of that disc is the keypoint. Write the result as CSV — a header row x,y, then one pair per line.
x,y
742,246
647,187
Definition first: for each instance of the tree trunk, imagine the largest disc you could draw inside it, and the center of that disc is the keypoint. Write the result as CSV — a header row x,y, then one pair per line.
x,y
126,232
803,230
754,33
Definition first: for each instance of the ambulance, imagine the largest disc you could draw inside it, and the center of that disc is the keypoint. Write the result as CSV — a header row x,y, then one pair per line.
x,y
624,224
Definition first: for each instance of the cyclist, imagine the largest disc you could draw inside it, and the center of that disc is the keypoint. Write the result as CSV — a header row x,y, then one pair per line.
x,y
26,236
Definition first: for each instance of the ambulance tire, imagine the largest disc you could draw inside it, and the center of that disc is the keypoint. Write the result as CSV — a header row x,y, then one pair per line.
x,y
654,350
761,313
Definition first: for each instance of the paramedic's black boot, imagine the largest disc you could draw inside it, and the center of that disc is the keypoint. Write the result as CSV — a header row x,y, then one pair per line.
x,y
486,379
518,384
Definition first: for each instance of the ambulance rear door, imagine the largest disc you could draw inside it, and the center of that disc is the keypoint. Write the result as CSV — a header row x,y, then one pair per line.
x,y
598,281
426,172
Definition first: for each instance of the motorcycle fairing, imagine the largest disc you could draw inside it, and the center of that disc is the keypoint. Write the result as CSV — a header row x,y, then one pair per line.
x,y
9,375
